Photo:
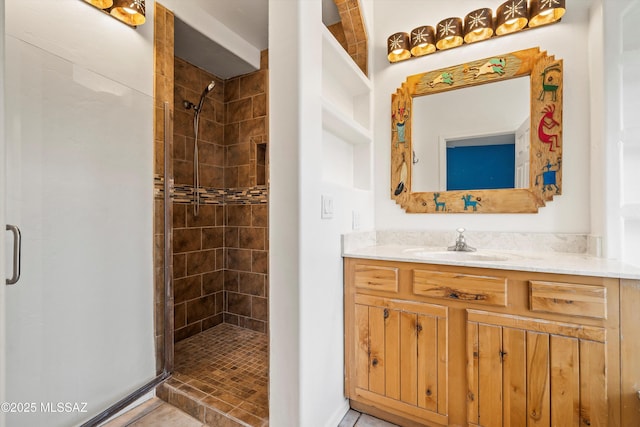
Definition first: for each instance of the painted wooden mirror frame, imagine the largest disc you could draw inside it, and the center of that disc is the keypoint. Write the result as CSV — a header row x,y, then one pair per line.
x,y
545,166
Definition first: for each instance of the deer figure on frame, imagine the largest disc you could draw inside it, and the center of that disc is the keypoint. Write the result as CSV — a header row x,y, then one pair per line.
x,y
440,206
468,203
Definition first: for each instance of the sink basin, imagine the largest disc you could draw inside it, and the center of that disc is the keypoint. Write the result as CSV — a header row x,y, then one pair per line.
x,y
460,256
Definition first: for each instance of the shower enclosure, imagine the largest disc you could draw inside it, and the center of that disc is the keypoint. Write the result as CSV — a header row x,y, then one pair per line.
x,y
218,168
78,175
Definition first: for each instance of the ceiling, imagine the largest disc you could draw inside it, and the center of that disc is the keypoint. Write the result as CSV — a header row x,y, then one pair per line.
x,y
249,19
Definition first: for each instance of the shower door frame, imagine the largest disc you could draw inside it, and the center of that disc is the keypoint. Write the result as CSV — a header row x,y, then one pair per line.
x,y
168,239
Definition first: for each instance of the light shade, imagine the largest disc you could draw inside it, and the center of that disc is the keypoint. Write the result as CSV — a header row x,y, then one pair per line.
x,y
131,12
100,4
512,16
398,47
546,12
478,25
423,40
449,33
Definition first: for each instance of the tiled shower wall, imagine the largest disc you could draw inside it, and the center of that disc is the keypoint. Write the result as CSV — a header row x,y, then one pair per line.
x,y
198,241
189,83
220,256
246,232
198,261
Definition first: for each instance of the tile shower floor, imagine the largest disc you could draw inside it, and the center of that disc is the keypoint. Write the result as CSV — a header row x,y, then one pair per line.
x,y
222,373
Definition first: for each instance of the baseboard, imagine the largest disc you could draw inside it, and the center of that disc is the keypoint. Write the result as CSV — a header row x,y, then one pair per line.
x,y
338,415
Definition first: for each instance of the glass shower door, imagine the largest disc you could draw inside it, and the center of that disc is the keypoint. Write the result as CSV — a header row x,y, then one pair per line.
x,y
79,158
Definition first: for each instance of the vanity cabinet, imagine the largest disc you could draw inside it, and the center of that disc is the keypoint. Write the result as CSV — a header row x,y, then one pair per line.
x,y
401,355
436,345
525,371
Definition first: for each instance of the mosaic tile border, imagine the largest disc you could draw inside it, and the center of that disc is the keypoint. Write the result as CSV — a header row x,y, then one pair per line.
x,y
213,196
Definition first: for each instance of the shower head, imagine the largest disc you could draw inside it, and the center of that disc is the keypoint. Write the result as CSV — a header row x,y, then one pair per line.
x,y
205,92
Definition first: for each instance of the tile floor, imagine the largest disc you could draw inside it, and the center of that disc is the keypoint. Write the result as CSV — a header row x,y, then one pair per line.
x,y
355,419
156,413
221,377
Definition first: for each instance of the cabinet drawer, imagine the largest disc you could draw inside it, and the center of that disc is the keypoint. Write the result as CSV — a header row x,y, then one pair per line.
x,y
568,298
486,290
376,278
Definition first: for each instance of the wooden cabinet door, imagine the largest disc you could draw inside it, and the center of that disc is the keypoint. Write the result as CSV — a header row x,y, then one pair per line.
x,y
401,356
531,372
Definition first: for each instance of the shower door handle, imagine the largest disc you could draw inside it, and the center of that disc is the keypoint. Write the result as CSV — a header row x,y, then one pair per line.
x,y
17,251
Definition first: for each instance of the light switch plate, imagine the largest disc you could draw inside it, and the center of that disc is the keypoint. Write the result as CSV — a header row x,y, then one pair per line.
x,y
355,224
327,206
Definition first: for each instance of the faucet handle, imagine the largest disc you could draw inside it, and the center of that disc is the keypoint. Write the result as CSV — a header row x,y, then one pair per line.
x,y
461,243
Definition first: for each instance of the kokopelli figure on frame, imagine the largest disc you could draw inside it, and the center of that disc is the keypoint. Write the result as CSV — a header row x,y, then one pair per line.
x,y
547,123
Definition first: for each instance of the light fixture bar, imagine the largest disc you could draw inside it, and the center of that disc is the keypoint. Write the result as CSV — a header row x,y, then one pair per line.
x,y
130,12
511,17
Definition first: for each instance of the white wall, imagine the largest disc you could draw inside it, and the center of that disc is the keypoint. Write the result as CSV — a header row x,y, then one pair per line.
x,y
284,206
598,147
620,146
568,213
306,293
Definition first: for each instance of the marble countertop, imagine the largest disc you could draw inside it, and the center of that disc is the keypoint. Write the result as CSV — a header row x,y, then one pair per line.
x,y
544,262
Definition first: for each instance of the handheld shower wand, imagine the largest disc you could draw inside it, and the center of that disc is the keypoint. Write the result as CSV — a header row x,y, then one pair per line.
x,y
205,92
196,121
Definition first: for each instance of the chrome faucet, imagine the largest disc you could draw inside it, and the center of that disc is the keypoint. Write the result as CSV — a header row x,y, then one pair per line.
x,y
461,243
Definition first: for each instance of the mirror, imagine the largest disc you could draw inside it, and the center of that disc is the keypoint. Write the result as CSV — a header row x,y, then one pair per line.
x,y
485,136
474,149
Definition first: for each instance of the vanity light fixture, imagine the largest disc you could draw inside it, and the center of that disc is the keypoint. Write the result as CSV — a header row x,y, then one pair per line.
x,y
546,12
478,25
423,40
131,12
511,16
398,47
100,4
449,33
